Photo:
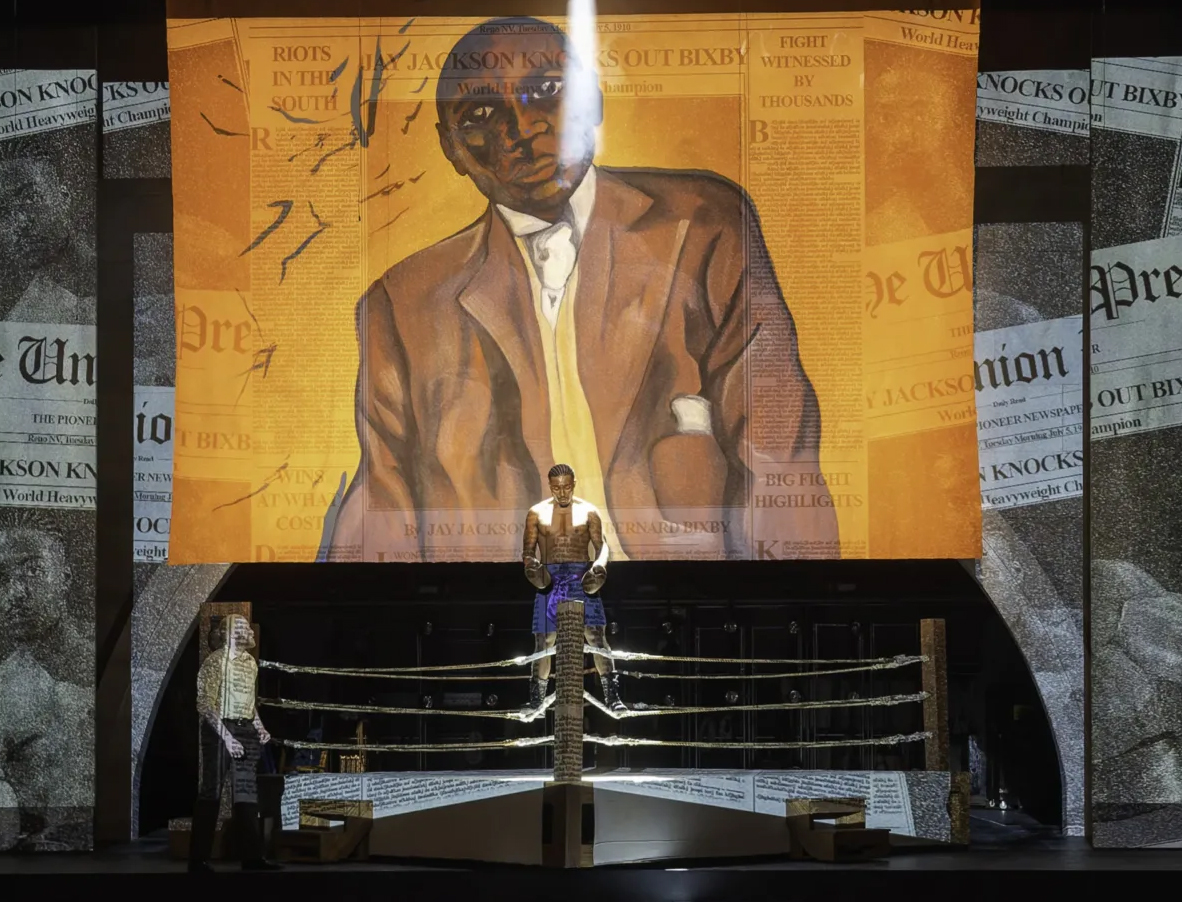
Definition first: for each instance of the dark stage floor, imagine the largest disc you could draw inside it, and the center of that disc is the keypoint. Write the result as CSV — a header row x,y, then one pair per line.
x,y
1008,855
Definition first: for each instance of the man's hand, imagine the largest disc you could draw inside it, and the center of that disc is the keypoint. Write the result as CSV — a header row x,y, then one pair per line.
x,y
594,579
264,736
234,747
538,576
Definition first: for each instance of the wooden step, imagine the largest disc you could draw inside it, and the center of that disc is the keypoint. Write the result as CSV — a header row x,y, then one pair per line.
x,y
322,812
826,842
849,812
330,830
845,840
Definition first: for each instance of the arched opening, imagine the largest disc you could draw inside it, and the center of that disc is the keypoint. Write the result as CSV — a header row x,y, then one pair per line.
x,y
398,615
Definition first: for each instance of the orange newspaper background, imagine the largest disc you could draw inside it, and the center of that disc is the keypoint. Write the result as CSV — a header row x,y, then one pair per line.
x,y
793,216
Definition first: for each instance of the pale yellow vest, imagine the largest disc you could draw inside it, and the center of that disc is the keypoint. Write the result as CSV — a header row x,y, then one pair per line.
x,y
572,431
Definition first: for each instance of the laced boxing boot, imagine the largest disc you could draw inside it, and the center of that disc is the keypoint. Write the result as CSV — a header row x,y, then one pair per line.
x,y
537,692
611,691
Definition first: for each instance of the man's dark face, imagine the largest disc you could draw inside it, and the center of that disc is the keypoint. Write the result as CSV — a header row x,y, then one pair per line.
x,y
33,584
563,490
503,122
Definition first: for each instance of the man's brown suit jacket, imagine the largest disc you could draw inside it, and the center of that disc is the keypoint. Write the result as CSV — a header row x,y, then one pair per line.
x,y
676,296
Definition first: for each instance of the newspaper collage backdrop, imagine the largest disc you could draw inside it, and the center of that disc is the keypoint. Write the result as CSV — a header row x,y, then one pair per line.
x,y
48,374
1028,310
1031,443
307,167
136,145
166,599
1135,306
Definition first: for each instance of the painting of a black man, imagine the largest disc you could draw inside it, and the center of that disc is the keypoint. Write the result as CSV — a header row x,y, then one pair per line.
x,y
605,317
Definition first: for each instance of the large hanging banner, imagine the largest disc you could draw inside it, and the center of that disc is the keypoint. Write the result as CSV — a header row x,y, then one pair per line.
x,y
48,467
721,265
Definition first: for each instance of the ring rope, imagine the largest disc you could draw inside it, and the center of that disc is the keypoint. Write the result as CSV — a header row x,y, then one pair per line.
x,y
880,701
903,661
897,739
472,678
519,661
899,661
525,742
524,716
528,715
862,664
642,656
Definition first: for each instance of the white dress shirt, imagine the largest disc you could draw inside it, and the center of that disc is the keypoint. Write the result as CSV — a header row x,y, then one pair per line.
x,y
553,247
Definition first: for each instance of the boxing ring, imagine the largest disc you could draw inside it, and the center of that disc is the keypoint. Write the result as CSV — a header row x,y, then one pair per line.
x,y
568,816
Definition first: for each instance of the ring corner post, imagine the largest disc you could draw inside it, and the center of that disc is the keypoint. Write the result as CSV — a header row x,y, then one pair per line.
x,y
935,685
568,688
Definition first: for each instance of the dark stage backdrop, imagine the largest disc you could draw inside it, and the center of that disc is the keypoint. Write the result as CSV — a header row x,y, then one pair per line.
x,y
1076,536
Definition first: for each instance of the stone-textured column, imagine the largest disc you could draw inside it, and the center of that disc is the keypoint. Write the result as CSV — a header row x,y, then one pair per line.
x,y
568,688
935,684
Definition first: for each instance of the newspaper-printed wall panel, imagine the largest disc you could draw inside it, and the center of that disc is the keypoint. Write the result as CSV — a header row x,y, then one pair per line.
x,y
135,130
166,599
47,440
1029,378
154,640
155,368
48,371
300,184
1135,304
1033,118
918,327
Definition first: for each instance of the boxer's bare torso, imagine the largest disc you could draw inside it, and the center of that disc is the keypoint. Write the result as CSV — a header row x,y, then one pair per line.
x,y
563,535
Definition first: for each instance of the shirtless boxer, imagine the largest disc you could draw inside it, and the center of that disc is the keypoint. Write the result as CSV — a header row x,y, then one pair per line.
x,y
565,559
